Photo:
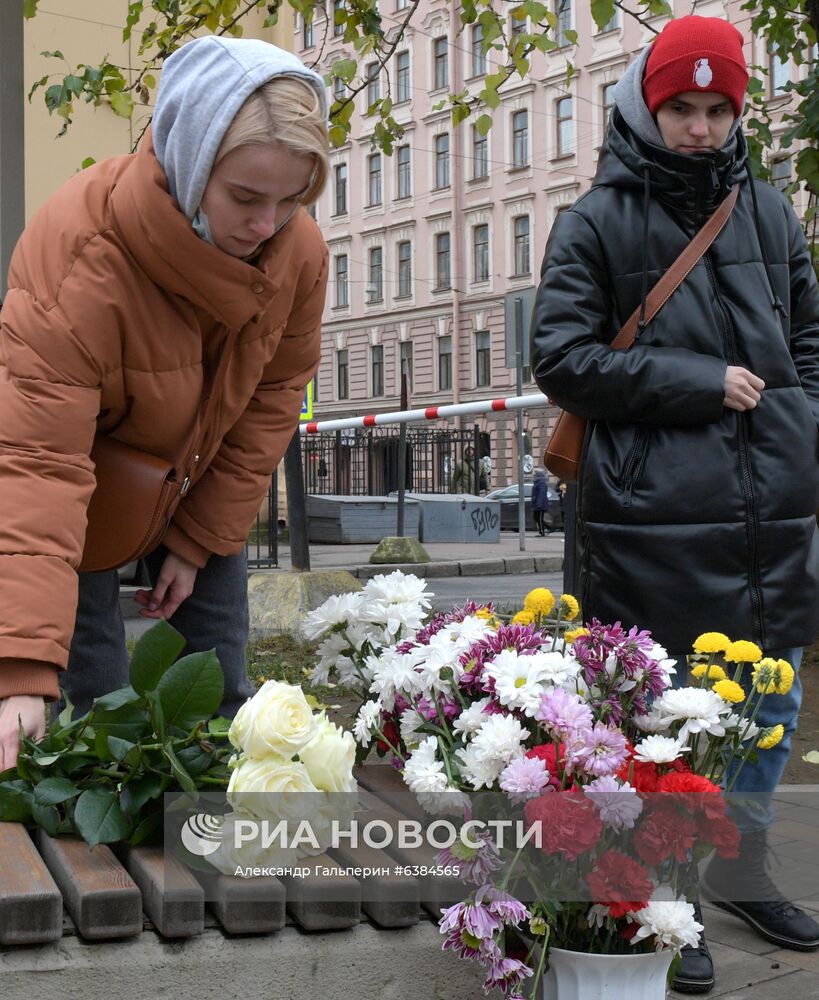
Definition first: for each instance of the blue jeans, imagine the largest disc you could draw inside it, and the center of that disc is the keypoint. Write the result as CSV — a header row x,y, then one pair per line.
x,y
752,794
214,616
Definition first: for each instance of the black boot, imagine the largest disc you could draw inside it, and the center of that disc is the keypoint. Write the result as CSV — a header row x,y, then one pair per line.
x,y
743,887
695,973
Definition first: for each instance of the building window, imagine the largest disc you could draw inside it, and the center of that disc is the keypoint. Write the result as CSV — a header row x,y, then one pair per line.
x,y
375,276
307,34
442,261
374,180
315,389
338,8
339,86
445,362
401,4
520,139
612,24
779,74
480,155
402,77
373,84
404,177
342,374
440,58
478,65
312,211
781,172
342,288
517,27
607,100
406,363
404,269
521,227
442,161
480,252
565,126
377,369
483,373
563,9
340,189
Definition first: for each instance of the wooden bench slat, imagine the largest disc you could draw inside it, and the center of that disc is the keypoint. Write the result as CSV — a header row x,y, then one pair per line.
x,y
171,896
383,781
245,905
389,900
323,902
31,907
101,897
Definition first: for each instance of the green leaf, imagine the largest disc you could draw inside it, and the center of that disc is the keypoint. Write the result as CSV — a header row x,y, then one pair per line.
x,y
149,825
139,791
47,817
15,801
186,782
344,69
602,12
30,8
118,698
811,757
119,748
52,791
483,124
128,722
64,718
153,654
149,80
194,759
122,104
219,725
191,690
99,819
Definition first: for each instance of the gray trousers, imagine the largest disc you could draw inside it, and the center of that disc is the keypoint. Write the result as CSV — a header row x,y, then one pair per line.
x,y
214,616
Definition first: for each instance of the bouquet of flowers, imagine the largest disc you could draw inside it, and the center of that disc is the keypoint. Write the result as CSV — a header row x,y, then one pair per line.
x,y
578,733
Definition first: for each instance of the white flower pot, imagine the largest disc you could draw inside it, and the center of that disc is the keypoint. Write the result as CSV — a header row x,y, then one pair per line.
x,y
576,975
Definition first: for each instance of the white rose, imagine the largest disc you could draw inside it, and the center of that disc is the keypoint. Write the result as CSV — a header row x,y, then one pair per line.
x,y
276,721
329,757
273,789
250,853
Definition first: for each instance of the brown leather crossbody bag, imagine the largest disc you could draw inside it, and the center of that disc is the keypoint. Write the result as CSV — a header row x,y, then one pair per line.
x,y
137,493
562,455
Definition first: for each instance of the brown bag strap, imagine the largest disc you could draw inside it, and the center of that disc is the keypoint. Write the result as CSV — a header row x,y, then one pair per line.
x,y
678,272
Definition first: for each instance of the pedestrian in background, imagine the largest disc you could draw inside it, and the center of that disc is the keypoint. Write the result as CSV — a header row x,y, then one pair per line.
x,y
540,502
699,486
123,290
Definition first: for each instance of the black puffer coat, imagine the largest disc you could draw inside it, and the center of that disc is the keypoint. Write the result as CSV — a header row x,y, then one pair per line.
x,y
692,517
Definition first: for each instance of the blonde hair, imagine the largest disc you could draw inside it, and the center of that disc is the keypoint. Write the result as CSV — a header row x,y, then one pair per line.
x,y
286,110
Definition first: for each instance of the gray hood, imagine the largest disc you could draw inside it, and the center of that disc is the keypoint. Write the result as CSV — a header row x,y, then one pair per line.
x,y
628,96
203,85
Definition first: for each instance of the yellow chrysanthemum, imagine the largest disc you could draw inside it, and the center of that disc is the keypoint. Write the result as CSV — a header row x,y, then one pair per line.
x,y
711,642
537,925
743,651
784,676
770,737
484,613
539,601
729,691
523,618
715,671
569,608
574,633
763,676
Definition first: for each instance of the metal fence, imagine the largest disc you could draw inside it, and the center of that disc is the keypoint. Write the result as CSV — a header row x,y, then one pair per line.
x,y
263,543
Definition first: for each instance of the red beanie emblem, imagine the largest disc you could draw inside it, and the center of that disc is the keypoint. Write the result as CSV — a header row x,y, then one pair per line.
x,y
696,53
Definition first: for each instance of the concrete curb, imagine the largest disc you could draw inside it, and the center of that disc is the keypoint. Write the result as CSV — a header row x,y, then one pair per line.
x,y
517,565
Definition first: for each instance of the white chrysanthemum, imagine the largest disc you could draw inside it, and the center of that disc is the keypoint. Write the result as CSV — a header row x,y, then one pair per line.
x,y
698,709
654,722
597,916
519,680
342,656
734,723
437,667
619,805
449,802
393,672
369,716
397,601
423,772
476,769
336,610
467,632
559,669
472,718
668,920
500,739
409,724
660,749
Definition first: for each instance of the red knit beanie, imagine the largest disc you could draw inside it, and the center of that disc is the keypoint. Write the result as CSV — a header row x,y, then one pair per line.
x,y
696,54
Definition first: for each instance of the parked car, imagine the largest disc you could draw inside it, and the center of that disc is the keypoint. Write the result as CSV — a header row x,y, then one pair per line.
x,y
507,496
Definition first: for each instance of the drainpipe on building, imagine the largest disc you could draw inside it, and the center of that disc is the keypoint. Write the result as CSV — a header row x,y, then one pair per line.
x,y
457,229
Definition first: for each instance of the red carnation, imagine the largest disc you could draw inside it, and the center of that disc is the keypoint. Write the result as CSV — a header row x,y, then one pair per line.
x,y
619,882
641,775
664,833
569,822
686,782
554,758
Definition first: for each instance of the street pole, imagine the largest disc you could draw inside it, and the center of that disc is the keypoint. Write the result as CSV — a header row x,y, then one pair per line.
x,y
12,104
296,507
519,391
402,455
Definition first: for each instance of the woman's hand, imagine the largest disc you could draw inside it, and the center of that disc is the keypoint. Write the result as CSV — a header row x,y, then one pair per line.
x,y
21,708
173,586
743,389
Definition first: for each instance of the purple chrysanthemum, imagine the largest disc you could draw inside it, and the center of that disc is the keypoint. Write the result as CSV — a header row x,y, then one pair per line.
x,y
470,932
502,905
524,779
474,864
506,974
563,713
597,751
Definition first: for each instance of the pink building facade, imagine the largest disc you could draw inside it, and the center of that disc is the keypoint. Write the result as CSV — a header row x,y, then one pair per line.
x,y
427,244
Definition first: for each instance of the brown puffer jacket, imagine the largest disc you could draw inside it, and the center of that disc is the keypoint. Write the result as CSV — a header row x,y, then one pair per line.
x,y
115,315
